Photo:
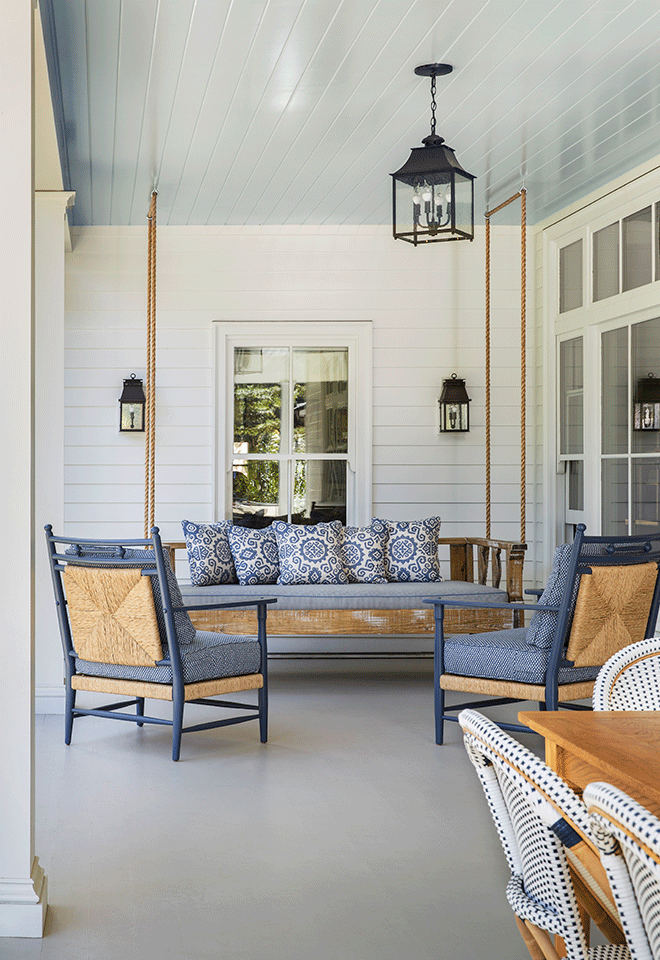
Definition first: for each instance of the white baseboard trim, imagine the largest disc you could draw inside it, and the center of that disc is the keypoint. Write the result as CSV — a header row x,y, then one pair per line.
x,y
23,904
49,699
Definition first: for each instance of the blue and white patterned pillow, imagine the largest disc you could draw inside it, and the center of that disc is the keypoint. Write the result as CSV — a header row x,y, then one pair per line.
x,y
541,630
255,554
411,552
310,554
363,553
209,553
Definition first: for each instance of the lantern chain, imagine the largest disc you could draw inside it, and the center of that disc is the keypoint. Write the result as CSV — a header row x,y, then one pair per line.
x,y
433,105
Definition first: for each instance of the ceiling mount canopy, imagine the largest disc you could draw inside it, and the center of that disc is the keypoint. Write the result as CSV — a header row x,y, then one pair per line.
x,y
432,195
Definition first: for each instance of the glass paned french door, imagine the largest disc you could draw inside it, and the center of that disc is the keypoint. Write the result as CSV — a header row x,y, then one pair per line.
x,y
290,441
630,452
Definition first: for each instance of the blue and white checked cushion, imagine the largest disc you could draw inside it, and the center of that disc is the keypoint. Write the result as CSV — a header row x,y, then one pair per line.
x,y
541,628
504,655
363,552
411,552
210,656
310,554
255,554
209,553
183,625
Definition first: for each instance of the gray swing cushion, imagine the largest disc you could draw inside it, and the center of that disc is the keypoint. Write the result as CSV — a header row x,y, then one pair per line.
x,y
209,657
504,655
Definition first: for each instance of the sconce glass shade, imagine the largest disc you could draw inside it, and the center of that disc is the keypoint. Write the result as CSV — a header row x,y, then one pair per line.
x,y
131,406
646,408
432,196
454,406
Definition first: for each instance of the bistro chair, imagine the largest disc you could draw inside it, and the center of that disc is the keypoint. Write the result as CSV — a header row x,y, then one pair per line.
x,y
628,838
543,827
126,632
602,595
630,680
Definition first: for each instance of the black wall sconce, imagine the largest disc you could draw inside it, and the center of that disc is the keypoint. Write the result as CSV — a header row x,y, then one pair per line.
x,y
432,195
454,405
646,408
131,406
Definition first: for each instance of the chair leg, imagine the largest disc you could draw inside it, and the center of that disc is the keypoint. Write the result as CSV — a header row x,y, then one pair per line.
x,y
177,725
70,703
139,709
263,714
439,713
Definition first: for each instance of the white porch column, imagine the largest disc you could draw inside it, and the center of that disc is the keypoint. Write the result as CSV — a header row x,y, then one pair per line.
x,y
50,237
23,896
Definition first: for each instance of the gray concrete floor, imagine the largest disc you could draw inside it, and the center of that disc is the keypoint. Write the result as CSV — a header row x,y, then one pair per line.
x,y
349,836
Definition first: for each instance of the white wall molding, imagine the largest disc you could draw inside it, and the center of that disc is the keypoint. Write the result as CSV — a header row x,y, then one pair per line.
x,y
23,890
23,904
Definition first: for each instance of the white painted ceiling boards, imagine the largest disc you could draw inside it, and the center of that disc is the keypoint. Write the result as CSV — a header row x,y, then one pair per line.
x,y
297,111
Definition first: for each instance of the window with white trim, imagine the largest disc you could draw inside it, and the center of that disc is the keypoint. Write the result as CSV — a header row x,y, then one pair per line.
x,y
293,422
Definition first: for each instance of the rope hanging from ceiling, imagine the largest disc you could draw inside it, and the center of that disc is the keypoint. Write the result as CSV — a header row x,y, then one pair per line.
x,y
522,193
150,408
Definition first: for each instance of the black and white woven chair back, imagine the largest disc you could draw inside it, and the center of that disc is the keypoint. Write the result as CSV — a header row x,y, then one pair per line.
x,y
531,807
630,680
628,839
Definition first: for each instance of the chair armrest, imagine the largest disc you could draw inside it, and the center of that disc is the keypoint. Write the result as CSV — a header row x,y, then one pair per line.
x,y
228,604
534,591
486,604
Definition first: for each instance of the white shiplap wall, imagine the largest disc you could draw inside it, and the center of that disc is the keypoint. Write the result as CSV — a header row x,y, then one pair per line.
x,y
427,310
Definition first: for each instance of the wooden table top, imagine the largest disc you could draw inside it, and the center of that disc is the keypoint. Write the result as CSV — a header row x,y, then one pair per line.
x,y
622,746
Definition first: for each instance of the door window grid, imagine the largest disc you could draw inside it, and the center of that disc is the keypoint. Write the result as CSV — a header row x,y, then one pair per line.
x,y
290,435
630,459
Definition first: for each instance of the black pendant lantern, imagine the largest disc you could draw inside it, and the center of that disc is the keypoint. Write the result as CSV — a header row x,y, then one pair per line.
x,y
432,195
646,408
131,406
454,406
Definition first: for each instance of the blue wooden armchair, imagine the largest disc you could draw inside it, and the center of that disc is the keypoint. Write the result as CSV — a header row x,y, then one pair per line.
x,y
602,595
126,632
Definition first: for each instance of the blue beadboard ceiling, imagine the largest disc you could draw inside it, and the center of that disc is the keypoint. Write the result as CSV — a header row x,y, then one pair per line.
x,y
296,111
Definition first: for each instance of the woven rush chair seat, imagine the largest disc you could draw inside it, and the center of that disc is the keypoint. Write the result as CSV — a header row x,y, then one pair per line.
x,y
126,631
602,596
628,839
541,824
630,680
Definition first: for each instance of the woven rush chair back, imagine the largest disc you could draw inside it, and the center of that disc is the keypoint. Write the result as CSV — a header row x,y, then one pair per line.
x,y
612,610
112,615
628,838
539,820
630,680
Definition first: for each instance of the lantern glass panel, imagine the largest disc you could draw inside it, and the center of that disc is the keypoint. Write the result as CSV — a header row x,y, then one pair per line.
x,y
132,416
423,206
463,193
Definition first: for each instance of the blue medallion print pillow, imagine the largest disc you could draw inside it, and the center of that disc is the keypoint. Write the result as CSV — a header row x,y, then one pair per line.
x,y
411,552
363,552
310,554
209,553
255,554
